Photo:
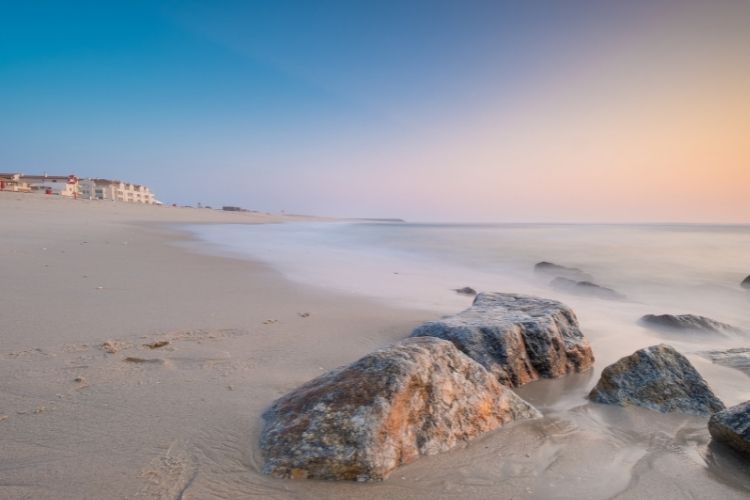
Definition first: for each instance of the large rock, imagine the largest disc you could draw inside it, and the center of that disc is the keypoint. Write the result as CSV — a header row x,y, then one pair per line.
x,y
746,283
585,288
688,322
552,269
517,337
738,358
732,426
418,397
658,378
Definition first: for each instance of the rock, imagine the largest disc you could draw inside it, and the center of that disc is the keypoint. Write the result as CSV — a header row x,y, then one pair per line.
x,y
556,270
738,358
746,283
689,322
113,346
658,378
732,427
156,344
150,361
585,288
418,397
467,290
518,338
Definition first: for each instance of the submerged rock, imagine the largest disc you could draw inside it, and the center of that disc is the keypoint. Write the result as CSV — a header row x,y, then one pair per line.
x,y
738,358
688,322
467,290
585,288
746,283
658,378
518,338
553,269
732,427
418,397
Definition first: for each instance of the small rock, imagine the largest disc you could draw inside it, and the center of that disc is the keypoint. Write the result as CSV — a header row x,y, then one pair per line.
x,y
518,338
746,283
157,344
585,288
552,269
80,380
304,315
687,322
135,359
658,378
732,427
738,358
467,290
420,396
270,321
113,346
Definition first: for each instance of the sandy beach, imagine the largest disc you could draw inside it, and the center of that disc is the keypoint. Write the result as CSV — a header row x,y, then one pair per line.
x,y
80,422
132,366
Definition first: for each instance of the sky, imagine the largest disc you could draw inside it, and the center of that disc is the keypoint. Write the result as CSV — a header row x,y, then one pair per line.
x,y
545,111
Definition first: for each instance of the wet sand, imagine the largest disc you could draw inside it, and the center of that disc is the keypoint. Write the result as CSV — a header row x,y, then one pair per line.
x,y
88,410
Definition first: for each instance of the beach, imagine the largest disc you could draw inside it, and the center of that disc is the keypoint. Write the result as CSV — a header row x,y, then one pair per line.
x,y
78,274
135,362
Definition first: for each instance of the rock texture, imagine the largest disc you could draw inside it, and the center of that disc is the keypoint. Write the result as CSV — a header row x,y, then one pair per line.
x,y
418,397
553,269
738,358
689,322
517,337
658,378
746,283
732,427
585,288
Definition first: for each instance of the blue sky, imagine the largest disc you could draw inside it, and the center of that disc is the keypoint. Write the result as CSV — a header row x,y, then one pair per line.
x,y
399,109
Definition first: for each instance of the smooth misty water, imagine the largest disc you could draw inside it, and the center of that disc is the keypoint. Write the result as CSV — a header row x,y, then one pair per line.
x,y
591,450
680,268
659,269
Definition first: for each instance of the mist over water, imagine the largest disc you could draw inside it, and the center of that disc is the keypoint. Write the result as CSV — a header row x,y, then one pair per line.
x,y
676,269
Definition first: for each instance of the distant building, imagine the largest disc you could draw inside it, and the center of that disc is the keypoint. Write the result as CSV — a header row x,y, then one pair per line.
x,y
71,186
106,189
13,182
51,184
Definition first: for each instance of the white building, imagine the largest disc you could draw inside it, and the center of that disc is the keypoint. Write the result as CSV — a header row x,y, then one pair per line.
x,y
51,184
106,189
71,186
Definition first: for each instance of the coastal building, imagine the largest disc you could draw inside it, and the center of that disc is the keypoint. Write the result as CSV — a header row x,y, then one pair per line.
x,y
13,182
51,184
107,189
72,186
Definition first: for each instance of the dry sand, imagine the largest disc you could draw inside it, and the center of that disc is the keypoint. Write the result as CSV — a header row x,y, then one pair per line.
x,y
131,367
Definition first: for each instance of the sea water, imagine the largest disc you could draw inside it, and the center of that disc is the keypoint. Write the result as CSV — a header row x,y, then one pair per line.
x,y
657,269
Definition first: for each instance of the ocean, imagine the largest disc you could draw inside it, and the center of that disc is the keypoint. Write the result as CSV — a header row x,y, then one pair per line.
x,y
656,269
651,269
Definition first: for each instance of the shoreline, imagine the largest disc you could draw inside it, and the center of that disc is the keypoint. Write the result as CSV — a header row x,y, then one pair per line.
x,y
137,422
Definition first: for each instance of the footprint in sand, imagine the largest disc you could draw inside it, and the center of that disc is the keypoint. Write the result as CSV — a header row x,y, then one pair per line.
x,y
168,476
